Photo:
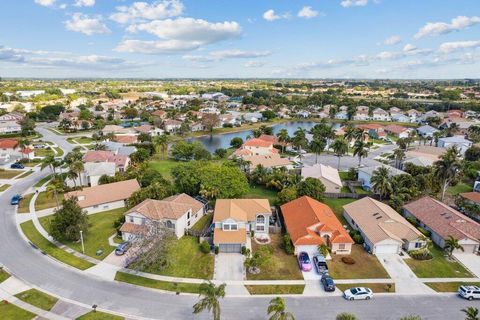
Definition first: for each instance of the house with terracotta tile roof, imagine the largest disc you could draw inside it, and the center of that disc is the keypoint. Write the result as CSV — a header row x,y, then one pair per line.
x,y
329,176
105,196
256,147
234,219
125,139
383,229
149,129
121,161
443,221
311,223
177,213
397,131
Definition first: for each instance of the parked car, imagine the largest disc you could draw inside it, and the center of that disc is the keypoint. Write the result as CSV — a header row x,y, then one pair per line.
x,y
122,248
17,165
358,293
327,283
469,292
15,199
304,261
320,264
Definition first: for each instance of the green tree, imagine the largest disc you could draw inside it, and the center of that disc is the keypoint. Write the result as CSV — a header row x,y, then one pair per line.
x,y
317,146
345,316
68,221
210,121
340,148
287,194
157,190
27,126
447,169
452,244
324,249
210,299
221,153
360,151
78,168
399,155
381,183
471,313
277,310
283,137
161,144
311,187
236,142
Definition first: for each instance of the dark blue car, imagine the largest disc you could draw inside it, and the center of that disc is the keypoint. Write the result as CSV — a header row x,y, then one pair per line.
x,y
122,248
15,199
17,165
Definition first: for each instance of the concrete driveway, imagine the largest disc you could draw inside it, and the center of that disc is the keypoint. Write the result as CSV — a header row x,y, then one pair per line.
x,y
469,260
229,267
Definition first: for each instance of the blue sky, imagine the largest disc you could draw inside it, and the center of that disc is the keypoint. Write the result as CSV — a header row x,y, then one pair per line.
x,y
240,38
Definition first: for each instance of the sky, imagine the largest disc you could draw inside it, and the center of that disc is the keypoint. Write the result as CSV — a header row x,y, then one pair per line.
x,y
393,39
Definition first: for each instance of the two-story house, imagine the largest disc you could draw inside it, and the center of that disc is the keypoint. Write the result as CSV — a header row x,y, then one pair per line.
x,y
235,218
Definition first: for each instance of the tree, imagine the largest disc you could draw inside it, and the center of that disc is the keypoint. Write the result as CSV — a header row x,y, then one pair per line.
x,y
130,113
27,126
317,146
360,151
210,121
236,142
210,299
161,143
268,114
140,156
277,310
283,137
349,134
72,175
324,249
472,153
452,244
340,148
78,168
68,221
471,313
221,153
287,194
447,169
157,190
345,316
399,156
185,151
299,140
311,187
53,189
50,162
381,183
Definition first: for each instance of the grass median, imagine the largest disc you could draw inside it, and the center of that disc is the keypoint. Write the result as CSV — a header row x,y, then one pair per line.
x,y
449,286
4,275
157,284
97,315
276,289
38,299
9,311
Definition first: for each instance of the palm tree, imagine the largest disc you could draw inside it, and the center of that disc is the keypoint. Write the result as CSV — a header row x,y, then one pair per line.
x,y
340,148
49,161
277,310
447,168
78,168
283,137
72,175
23,144
345,316
210,299
324,249
349,133
471,313
452,244
436,136
381,183
161,142
317,146
299,140
360,151
52,191
399,155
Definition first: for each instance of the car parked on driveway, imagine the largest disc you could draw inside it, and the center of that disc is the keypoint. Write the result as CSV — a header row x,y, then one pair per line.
x,y
320,264
359,293
15,199
17,165
304,261
469,292
122,248
327,283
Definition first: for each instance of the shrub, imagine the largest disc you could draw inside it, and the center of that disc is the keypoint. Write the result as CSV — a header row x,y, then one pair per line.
x,y
205,247
420,254
356,236
216,249
412,220
244,250
424,231
348,260
287,244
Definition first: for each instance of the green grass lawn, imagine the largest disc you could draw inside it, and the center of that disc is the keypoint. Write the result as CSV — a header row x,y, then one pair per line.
x,y
25,174
23,207
43,152
186,260
360,190
438,267
43,244
164,166
60,151
449,286
459,188
366,266
276,289
38,299
9,174
84,140
202,223
9,311
45,202
337,206
345,189
260,192
157,284
281,266
100,229
99,316
4,187
4,275
343,175
43,181
375,287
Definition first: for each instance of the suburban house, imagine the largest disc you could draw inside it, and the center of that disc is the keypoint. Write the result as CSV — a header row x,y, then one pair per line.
x,y
234,218
374,130
256,147
443,221
177,213
311,223
361,115
426,131
397,131
121,161
383,229
328,175
423,155
117,130
268,162
92,171
400,117
149,129
459,141
105,196
472,200
380,115
341,115
365,174
9,126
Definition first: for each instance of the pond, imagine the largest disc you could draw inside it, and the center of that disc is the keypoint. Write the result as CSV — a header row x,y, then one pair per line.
x,y
223,140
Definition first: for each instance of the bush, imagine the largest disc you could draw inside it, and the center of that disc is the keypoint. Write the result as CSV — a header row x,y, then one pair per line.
x,y
205,247
348,260
412,220
425,232
287,244
420,254
245,250
216,249
357,237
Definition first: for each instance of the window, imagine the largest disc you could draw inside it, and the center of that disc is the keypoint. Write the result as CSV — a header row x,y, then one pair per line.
x,y
261,219
260,227
230,226
131,219
418,244
170,224
341,246
188,214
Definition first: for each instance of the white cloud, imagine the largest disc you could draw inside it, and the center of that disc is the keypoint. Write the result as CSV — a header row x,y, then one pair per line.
x,y
156,47
225,54
390,41
353,3
254,64
86,25
438,28
84,3
307,12
270,15
45,3
409,48
448,47
141,11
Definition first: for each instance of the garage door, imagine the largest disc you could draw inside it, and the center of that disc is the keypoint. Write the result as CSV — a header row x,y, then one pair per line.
x,y
230,248
386,248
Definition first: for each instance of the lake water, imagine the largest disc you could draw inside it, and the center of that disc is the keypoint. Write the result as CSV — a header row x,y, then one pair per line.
x,y
223,140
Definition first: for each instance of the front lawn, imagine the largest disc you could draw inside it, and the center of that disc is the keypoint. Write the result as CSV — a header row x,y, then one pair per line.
x,y
4,187
38,299
43,152
280,266
24,206
375,287
438,267
157,284
43,181
337,207
276,289
366,266
459,188
100,229
9,174
185,260
4,275
260,192
164,166
449,286
49,248
81,140
45,201
12,312
99,316
360,190
202,223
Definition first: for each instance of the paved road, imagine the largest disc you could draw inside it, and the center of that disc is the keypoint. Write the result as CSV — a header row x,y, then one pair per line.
x,y
38,270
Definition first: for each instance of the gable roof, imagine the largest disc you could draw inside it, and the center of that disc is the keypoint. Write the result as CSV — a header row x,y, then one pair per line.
x,y
240,209
322,171
305,218
169,208
380,222
8,143
256,142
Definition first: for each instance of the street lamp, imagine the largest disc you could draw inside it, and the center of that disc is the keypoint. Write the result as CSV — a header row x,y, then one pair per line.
x,y
83,245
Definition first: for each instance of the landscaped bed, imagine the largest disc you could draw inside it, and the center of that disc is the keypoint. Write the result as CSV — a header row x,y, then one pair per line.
x,y
449,286
438,267
97,315
276,289
202,223
375,287
24,206
366,266
157,284
45,201
4,275
4,187
43,181
25,174
9,311
38,299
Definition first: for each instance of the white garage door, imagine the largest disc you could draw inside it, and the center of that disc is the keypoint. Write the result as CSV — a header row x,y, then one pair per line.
x,y
230,247
386,248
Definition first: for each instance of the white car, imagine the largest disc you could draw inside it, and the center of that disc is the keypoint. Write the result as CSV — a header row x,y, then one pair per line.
x,y
469,292
358,293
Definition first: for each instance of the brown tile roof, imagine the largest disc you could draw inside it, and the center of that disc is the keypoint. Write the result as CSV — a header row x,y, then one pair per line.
x,y
105,156
104,193
8,143
268,161
169,208
226,237
472,196
133,228
305,218
240,209
145,128
125,139
396,129
256,142
443,220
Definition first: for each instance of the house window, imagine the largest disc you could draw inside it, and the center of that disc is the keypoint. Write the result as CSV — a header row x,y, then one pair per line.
x,y
341,246
188,214
418,244
131,219
230,226
260,227
170,224
261,219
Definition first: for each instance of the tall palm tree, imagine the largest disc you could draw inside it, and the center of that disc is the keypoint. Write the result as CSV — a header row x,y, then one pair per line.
x,y
48,161
317,146
381,183
399,155
161,142
78,168
52,191
72,175
340,148
448,168
210,299
277,310
299,140
471,313
349,133
283,137
452,244
360,151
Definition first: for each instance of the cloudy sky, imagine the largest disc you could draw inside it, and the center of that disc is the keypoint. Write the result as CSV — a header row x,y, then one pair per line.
x,y
240,38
